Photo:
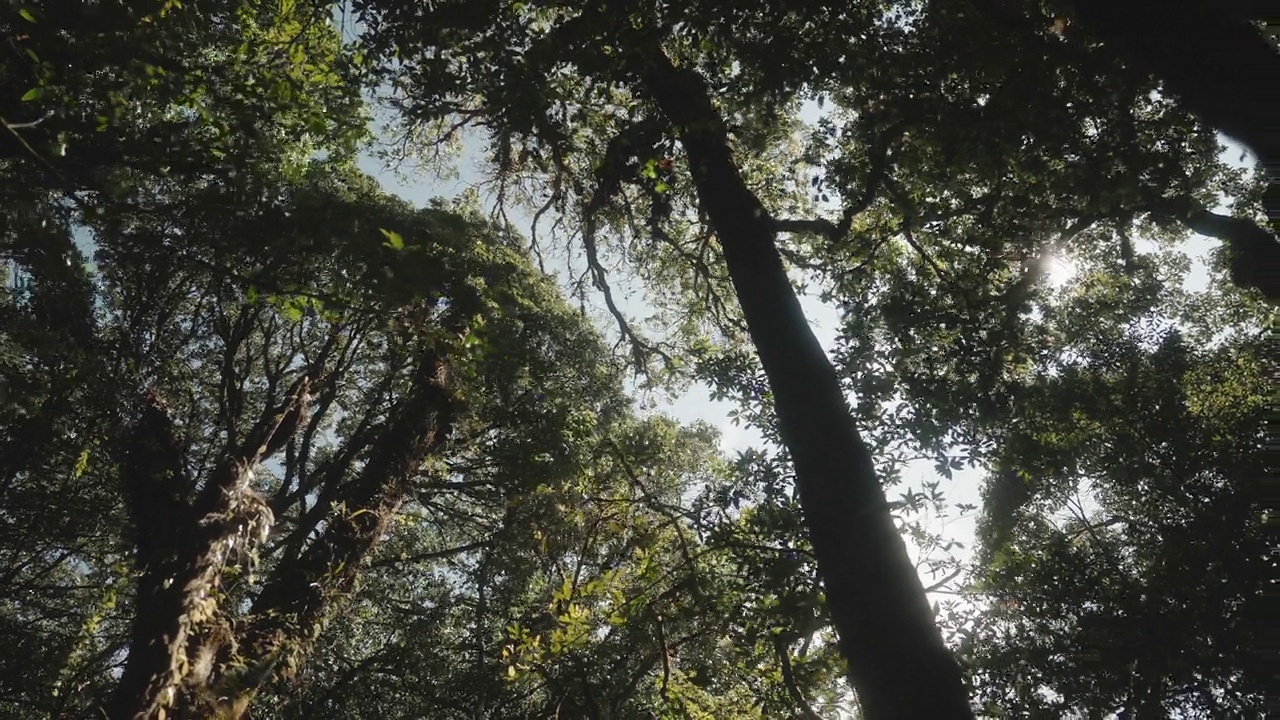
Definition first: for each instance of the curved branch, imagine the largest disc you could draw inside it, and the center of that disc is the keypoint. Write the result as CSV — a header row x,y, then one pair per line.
x,y
608,181
1255,251
640,349
880,163
789,679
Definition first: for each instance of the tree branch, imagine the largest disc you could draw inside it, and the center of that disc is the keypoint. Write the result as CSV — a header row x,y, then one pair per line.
x,y
835,232
789,679
943,582
1255,251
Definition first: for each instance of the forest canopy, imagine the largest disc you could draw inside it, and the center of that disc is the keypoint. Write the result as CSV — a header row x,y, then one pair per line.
x,y
277,443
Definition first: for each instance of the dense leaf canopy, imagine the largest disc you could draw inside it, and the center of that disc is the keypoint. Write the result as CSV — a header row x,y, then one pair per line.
x,y
273,440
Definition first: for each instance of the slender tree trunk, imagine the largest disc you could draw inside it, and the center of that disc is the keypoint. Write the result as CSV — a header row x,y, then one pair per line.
x,y
898,663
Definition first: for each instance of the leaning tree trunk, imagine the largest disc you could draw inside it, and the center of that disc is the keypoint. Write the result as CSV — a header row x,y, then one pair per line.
x,y
898,663
191,658
184,539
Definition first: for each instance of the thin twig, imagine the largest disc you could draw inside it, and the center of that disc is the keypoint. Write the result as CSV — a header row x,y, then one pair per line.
x,y
24,125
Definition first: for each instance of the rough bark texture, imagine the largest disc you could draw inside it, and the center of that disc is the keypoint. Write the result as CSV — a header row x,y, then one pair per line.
x,y
898,663
190,658
184,540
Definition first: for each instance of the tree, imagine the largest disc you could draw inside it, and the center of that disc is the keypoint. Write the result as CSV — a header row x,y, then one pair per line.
x,y
962,145
1224,70
54,513
277,432
1209,55
104,105
270,361
605,595
172,89
195,404
1120,553
540,72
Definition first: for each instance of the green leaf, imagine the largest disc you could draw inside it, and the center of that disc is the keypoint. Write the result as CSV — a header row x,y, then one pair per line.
x,y
26,15
394,240
34,93
82,464
252,294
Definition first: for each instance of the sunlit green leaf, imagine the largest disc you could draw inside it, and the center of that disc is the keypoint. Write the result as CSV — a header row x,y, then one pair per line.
x,y
394,240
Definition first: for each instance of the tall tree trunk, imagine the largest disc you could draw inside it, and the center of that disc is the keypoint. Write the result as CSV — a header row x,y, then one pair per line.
x,y
190,658
898,663
294,606
183,541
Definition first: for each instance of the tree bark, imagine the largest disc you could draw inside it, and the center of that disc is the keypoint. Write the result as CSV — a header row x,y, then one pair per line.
x,y
182,544
292,609
898,663
189,658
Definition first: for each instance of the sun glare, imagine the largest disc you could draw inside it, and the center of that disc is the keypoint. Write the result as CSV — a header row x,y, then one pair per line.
x,y
1059,271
